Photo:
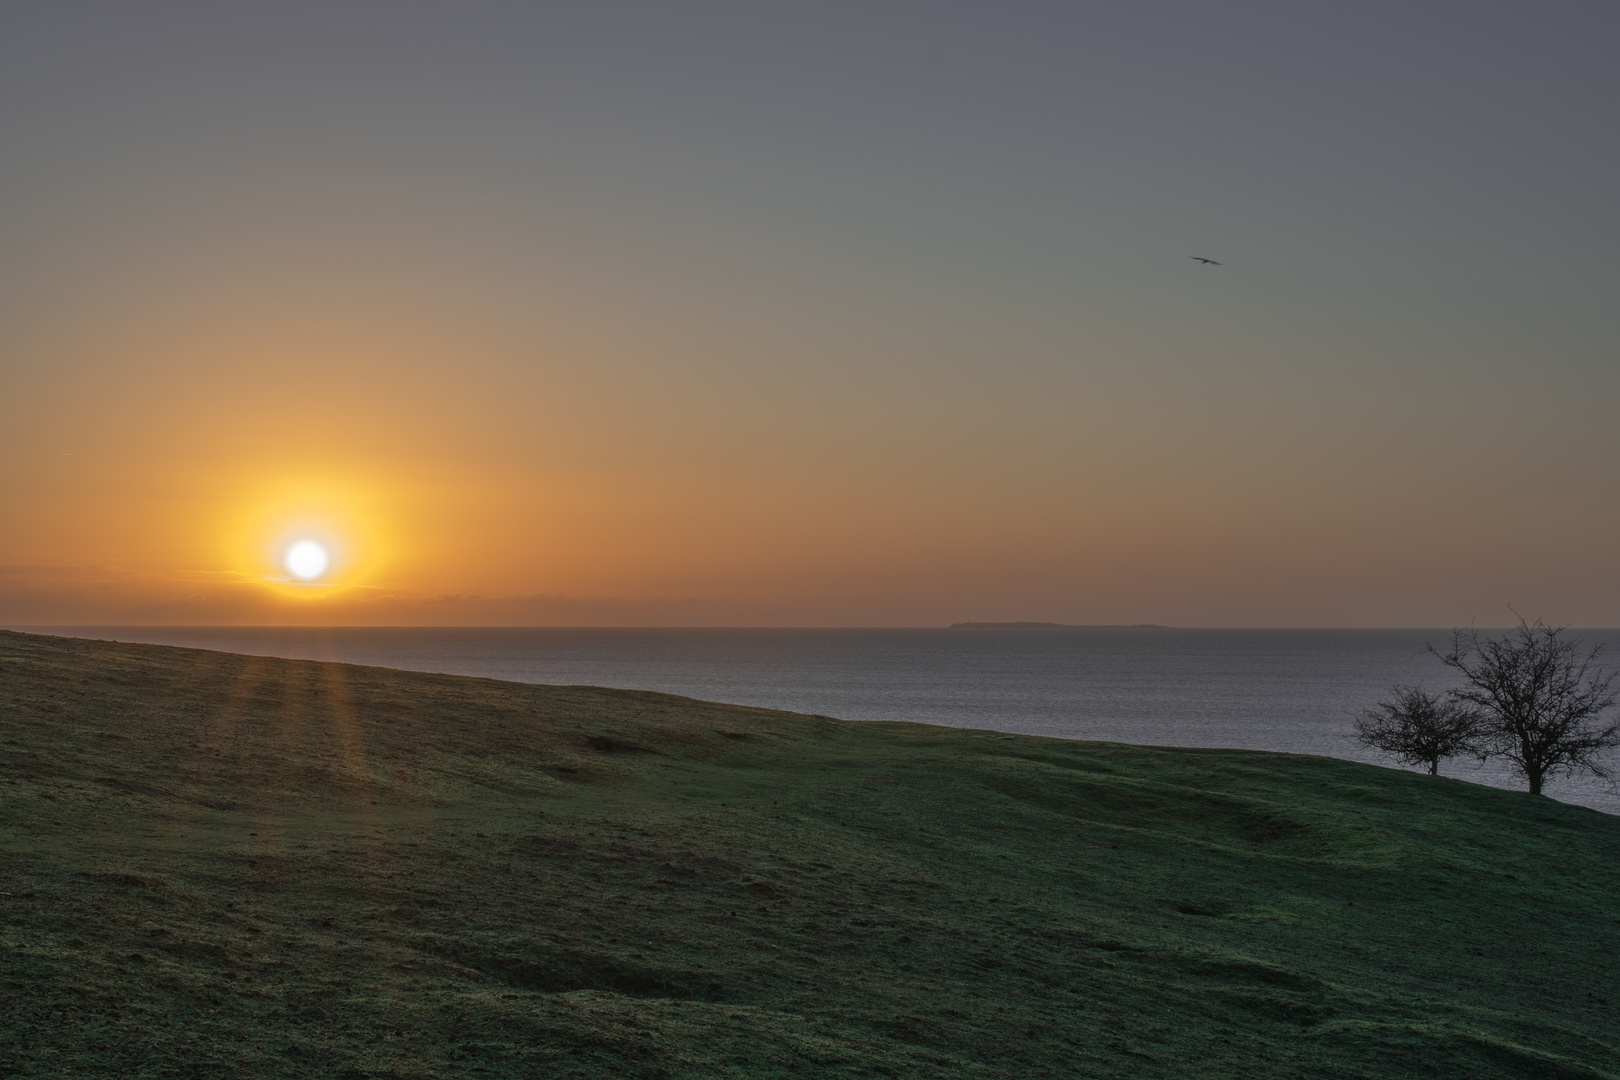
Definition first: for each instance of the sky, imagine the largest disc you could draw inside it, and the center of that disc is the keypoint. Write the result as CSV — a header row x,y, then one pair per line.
x,y
837,314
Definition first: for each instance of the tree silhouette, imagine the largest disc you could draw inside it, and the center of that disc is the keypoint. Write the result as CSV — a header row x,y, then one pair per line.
x,y
1546,705
1419,728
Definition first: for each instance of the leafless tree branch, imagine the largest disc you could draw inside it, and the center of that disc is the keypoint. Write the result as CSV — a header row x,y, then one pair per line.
x,y
1547,706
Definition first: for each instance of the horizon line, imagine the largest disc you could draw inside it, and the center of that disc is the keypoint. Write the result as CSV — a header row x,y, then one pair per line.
x,y
28,627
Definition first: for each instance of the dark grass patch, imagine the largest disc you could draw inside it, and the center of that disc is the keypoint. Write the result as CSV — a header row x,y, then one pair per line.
x,y
606,744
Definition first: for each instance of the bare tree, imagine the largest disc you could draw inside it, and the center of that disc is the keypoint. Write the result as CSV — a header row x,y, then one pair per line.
x,y
1547,705
1420,728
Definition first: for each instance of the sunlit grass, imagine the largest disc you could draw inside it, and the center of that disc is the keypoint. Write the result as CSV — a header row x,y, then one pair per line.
x,y
224,865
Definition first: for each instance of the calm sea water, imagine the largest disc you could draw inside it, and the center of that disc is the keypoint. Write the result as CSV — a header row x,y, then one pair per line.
x,y
1287,690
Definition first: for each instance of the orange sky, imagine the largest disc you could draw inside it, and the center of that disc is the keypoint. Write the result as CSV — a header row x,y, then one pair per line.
x,y
577,479
859,357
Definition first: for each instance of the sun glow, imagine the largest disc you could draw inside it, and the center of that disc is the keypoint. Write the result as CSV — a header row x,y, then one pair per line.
x,y
309,538
306,560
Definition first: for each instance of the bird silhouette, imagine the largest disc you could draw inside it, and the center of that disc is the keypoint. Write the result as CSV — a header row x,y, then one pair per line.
x,y
1206,262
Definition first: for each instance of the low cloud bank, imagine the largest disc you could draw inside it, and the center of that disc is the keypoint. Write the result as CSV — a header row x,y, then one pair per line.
x,y
105,597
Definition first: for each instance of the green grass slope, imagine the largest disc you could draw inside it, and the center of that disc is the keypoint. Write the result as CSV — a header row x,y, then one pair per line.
x,y
216,865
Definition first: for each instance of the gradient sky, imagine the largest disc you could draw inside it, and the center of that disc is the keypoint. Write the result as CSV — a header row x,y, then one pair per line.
x,y
816,314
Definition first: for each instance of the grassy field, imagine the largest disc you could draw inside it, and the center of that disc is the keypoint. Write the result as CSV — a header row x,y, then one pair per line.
x,y
216,865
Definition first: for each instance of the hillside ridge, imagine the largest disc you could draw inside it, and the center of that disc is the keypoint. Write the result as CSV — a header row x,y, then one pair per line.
x,y
213,864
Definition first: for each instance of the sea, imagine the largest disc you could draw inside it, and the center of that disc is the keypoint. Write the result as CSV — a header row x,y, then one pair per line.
x,y
1294,691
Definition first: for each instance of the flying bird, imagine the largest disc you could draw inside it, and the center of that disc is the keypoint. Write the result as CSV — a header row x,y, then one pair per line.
x,y
1206,262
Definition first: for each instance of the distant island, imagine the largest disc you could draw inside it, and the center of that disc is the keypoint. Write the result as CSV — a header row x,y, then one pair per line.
x,y
1056,626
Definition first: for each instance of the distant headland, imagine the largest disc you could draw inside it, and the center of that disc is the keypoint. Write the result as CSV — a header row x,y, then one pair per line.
x,y
1056,626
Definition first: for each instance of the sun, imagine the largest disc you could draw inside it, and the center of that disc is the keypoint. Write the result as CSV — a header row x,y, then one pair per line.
x,y
306,559
310,538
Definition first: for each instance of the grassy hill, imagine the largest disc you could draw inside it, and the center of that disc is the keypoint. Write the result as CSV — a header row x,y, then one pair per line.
x,y
216,865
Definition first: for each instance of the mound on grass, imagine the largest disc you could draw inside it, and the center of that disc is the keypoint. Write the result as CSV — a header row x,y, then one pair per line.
x,y
216,865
